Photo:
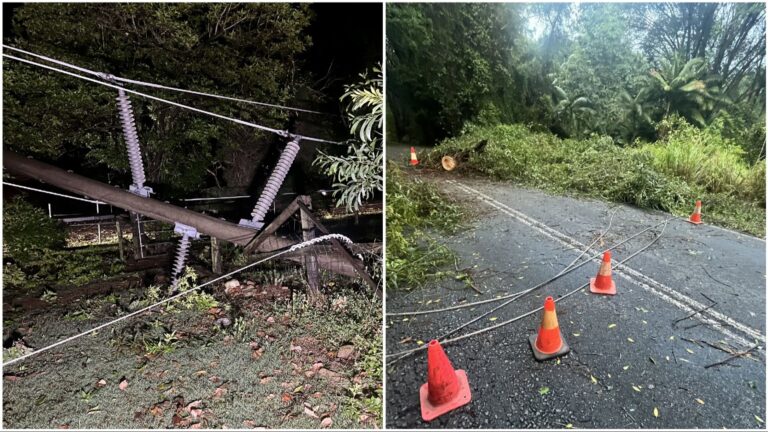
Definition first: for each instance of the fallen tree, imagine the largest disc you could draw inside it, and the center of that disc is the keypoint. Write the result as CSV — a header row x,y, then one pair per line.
x,y
155,209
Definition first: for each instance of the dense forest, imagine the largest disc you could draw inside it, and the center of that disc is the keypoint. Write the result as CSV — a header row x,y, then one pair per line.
x,y
577,69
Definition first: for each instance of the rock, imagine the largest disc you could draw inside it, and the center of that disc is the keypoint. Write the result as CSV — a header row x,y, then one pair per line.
x,y
271,320
223,322
326,423
234,283
346,352
309,374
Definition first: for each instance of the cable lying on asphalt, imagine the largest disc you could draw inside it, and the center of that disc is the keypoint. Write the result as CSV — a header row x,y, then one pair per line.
x,y
403,354
554,278
293,248
519,295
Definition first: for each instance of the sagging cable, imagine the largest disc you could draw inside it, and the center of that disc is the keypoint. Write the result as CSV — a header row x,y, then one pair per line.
x,y
276,180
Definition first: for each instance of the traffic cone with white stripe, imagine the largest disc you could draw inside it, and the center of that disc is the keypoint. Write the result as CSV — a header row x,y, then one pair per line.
x,y
414,159
696,215
603,283
549,342
446,389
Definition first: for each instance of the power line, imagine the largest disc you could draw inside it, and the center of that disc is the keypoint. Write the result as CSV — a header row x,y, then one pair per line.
x,y
53,193
402,354
293,248
282,133
109,77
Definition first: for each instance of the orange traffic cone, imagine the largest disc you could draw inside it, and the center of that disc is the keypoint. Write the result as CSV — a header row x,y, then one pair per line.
x,y
603,283
696,215
549,342
414,159
445,389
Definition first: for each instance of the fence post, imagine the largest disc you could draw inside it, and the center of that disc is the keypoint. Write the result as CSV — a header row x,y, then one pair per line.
x,y
215,255
310,260
120,246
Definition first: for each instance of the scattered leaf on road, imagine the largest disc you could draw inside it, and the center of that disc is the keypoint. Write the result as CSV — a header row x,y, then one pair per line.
x,y
631,340
636,388
419,342
611,325
655,412
543,390
626,367
577,334
689,351
493,318
700,401
594,380
569,426
759,420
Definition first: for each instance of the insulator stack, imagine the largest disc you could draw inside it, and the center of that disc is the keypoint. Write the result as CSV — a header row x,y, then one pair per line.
x,y
132,144
181,260
276,180
187,233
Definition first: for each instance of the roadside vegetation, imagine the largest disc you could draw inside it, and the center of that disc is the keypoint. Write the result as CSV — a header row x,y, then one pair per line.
x,y
670,174
417,213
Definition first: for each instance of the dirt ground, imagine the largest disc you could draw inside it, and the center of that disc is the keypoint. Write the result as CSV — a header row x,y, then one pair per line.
x,y
258,356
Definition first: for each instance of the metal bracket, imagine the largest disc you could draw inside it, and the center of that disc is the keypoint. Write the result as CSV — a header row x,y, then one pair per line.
x,y
143,191
186,230
248,223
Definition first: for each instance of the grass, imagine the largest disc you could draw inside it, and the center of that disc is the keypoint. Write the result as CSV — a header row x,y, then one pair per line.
x,y
416,210
171,357
669,175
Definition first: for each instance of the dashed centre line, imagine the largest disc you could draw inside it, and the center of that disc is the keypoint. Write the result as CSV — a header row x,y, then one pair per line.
x,y
714,319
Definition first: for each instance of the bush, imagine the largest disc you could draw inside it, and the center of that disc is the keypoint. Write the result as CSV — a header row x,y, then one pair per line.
x,y
27,230
700,156
51,268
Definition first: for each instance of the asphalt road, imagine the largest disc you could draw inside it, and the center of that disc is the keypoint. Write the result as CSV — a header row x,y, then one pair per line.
x,y
631,354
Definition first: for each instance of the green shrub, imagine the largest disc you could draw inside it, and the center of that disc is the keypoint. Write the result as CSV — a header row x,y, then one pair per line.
x,y
700,156
753,186
27,230
54,267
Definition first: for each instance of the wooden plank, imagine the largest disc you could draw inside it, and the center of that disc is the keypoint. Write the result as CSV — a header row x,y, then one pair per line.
x,y
272,227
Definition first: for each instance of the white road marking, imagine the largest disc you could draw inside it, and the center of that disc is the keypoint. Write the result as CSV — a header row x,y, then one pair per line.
x,y
715,319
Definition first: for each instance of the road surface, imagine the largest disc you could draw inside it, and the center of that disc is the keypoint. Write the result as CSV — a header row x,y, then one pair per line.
x,y
631,354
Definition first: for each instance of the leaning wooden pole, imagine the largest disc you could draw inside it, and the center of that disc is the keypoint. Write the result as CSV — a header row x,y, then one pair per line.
x,y
152,208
